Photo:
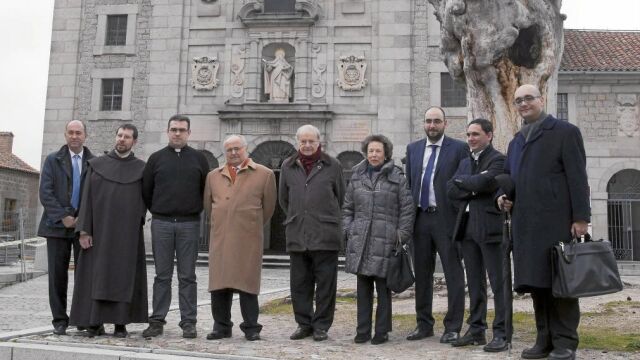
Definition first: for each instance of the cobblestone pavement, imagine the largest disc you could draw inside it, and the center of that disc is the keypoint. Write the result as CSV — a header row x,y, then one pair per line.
x,y
25,306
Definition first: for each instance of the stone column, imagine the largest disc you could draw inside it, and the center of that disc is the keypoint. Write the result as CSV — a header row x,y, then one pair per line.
x,y
301,72
254,71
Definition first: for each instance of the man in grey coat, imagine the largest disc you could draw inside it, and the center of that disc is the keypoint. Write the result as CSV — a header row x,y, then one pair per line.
x,y
311,192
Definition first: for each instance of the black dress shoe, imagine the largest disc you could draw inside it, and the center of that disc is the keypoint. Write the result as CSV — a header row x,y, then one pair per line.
x,y
252,336
218,334
320,335
379,339
469,338
361,338
449,337
60,329
497,344
536,352
120,331
562,354
301,333
93,331
419,334
154,329
189,331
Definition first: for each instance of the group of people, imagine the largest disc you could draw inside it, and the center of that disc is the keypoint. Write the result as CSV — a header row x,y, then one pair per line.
x,y
446,201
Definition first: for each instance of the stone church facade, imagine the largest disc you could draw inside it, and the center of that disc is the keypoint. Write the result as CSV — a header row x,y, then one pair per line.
x,y
262,68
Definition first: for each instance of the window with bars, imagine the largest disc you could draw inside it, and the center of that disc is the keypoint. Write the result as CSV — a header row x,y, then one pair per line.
x,y
562,112
279,6
111,94
452,94
116,34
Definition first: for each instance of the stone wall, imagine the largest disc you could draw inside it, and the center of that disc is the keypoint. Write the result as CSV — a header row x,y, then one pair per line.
x,y
23,187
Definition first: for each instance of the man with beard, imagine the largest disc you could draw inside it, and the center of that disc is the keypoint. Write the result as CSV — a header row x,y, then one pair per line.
x,y
431,162
240,197
111,276
311,194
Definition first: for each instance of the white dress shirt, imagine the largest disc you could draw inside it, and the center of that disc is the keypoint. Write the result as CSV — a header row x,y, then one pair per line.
x,y
425,161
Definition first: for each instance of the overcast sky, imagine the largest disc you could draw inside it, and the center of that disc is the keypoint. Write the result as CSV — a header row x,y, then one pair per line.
x,y
25,35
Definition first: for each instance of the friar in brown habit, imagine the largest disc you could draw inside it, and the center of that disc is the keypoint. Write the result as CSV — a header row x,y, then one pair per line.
x,y
111,276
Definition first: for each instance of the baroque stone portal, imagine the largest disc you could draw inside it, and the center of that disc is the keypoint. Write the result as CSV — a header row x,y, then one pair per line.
x,y
204,73
277,78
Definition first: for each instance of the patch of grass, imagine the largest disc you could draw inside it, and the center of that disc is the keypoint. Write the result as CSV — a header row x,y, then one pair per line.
x,y
277,307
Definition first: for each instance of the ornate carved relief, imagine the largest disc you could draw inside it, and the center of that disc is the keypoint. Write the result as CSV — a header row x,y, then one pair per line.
x,y
628,115
351,73
252,14
318,87
204,73
237,72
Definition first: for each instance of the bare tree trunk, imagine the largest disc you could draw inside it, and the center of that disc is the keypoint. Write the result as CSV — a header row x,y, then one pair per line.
x,y
495,46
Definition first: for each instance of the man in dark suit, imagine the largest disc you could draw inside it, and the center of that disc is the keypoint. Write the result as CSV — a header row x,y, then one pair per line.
x,y
479,229
547,163
431,162
61,182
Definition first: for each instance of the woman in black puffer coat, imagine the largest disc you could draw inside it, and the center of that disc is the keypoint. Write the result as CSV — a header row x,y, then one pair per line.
x,y
377,209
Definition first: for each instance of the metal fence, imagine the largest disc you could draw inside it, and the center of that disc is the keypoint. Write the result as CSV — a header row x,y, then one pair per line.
x,y
623,218
18,243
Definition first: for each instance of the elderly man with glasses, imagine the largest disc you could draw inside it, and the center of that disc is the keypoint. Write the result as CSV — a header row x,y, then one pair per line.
x,y
311,194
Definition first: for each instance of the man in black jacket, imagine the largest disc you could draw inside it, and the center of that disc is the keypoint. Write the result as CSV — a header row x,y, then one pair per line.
x,y
311,194
479,228
61,182
172,188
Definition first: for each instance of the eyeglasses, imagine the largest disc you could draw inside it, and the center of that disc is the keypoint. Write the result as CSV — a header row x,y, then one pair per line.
x,y
433,121
308,142
233,150
527,98
178,130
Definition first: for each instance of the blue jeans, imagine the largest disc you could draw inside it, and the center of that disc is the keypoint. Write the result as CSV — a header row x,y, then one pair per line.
x,y
179,238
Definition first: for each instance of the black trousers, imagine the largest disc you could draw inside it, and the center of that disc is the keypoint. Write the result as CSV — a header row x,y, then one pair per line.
x,y
58,257
221,310
430,236
557,320
480,259
314,272
365,305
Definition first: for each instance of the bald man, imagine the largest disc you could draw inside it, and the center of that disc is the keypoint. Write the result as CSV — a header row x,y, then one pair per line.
x,y
61,180
551,205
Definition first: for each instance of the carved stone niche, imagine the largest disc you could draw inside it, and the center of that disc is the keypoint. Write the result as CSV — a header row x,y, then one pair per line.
x,y
351,73
628,115
279,13
204,73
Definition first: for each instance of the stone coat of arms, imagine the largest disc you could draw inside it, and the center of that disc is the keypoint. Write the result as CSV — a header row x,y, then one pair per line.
x,y
351,72
204,73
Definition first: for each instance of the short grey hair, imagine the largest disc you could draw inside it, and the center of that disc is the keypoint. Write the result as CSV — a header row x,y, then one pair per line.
x,y
241,137
307,128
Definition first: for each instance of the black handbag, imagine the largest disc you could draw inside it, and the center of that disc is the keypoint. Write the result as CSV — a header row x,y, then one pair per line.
x,y
583,269
400,270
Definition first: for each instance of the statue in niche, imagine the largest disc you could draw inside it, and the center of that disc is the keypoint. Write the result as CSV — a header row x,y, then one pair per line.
x,y
277,78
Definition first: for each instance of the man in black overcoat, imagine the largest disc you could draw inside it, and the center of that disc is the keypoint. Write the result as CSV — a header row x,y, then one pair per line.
x,y
547,163
479,232
111,276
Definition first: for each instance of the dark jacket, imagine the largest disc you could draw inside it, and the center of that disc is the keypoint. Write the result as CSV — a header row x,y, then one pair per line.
x,y
474,184
551,192
312,204
173,183
451,153
55,192
375,212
